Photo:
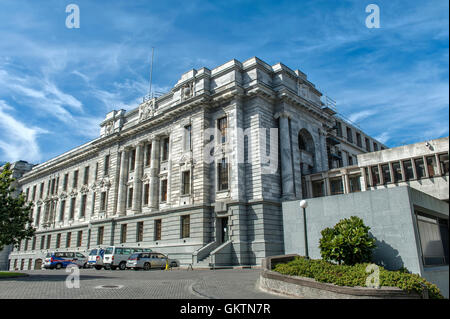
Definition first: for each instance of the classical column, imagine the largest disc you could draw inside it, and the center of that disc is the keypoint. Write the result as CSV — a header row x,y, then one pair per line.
x,y
346,182
137,179
287,174
122,194
154,174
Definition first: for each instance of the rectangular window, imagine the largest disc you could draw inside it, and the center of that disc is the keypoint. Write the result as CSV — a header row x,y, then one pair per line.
x,y
123,233
49,186
79,238
62,210
68,239
349,135
33,243
186,183
57,185
132,160
420,168
339,129
355,183
26,244
100,231
83,206
433,233
386,173
33,196
409,173
148,154
185,226
443,161
318,188
86,176
165,149
375,146
140,231
49,239
41,191
106,165
158,229
336,186
164,190
222,172
96,171
358,140
130,197
350,160
42,242
398,176
75,179
38,216
187,138
58,240
72,207
375,175
222,126
103,201
146,193
65,182
27,193
367,144
431,166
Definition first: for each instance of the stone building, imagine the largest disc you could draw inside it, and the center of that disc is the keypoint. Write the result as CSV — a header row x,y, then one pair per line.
x,y
198,173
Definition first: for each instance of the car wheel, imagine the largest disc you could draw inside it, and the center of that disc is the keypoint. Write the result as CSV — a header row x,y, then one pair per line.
x,y
58,266
122,265
98,267
147,266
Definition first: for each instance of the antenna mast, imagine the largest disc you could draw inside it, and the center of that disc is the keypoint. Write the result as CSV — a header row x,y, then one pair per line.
x,y
151,74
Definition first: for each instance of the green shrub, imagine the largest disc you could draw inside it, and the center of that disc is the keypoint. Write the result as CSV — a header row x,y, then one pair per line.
x,y
348,241
355,275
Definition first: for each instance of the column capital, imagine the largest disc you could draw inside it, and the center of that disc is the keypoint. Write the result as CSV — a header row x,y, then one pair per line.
x,y
283,114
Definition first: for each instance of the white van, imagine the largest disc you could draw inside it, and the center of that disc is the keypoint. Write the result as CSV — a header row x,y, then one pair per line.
x,y
95,258
117,256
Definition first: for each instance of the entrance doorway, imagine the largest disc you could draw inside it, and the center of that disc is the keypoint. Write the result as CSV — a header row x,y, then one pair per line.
x,y
223,229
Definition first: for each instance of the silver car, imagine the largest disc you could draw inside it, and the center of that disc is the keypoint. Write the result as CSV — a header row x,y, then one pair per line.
x,y
147,261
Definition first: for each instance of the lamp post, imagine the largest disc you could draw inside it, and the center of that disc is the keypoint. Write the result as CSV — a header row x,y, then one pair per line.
x,y
303,205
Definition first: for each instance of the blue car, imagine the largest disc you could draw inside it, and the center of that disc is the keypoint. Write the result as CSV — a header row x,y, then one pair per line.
x,y
58,260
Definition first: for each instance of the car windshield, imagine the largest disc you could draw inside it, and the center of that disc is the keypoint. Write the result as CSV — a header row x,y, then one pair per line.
x,y
93,252
109,251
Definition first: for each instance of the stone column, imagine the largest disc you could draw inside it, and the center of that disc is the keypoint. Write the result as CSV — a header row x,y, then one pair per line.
x,y
154,174
438,166
287,174
137,179
122,194
346,182
363,180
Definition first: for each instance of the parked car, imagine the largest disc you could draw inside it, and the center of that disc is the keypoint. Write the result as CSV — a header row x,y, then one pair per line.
x,y
95,258
58,260
147,261
117,256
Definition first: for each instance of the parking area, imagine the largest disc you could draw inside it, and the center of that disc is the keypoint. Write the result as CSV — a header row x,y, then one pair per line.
x,y
130,284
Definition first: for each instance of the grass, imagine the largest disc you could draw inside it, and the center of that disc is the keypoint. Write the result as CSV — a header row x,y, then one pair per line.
x,y
7,274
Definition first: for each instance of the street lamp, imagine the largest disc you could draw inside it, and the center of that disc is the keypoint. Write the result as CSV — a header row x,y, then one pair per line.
x,y
304,204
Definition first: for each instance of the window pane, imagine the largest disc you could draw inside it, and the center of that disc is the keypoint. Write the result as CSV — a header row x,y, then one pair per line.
x,y
407,165
420,168
430,239
317,187
397,172
443,159
355,184
375,175
431,166
386,173
336,186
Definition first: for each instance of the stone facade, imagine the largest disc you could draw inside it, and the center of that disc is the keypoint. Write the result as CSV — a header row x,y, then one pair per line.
x,y
225,147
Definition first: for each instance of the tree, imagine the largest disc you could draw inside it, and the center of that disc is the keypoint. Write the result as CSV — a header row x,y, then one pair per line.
x,y
15,213
348,241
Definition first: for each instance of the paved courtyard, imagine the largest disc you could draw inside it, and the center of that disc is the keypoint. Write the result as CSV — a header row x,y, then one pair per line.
x,y
153,284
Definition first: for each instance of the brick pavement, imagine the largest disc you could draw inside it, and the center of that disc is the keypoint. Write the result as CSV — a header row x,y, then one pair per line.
x,y
153,284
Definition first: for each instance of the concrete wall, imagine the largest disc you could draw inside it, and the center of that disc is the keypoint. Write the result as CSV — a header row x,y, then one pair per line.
x,y
388,212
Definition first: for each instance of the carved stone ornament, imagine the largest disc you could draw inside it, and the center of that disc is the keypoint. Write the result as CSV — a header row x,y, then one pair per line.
x,y
73,193
84,189
109,129
104,183
187,91
146,110
145,178
63,195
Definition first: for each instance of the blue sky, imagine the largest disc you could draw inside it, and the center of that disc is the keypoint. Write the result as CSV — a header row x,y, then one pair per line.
x,y
57,84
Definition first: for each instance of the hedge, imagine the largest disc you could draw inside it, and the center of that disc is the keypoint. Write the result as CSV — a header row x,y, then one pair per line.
x,y
355,275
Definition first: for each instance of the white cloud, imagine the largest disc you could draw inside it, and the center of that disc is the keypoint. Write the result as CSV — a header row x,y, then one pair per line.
x,y
18,140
